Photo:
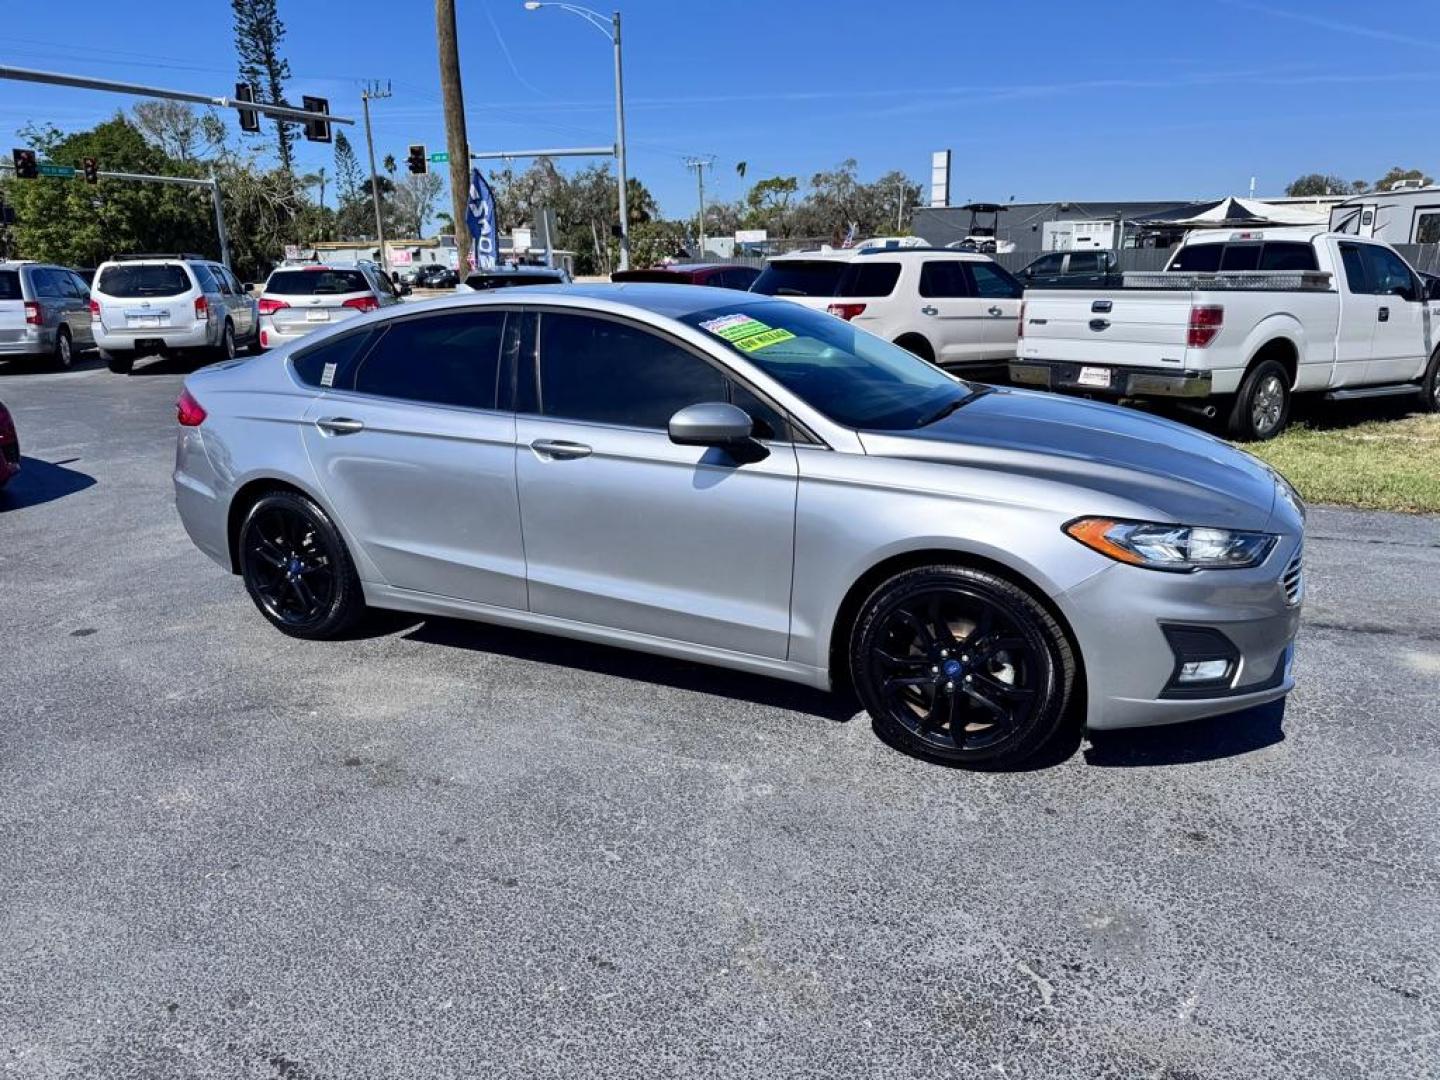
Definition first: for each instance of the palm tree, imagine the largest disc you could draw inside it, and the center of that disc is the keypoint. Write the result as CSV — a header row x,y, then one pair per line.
x,y
389,164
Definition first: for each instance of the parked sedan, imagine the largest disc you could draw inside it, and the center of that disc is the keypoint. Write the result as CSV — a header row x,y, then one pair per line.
x,y
744,481
9,447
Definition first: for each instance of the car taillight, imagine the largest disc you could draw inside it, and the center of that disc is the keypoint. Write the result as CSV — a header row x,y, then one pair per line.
x,y
1205,323
202,308
1020,327
32,313
363,303
188,411
845,311
269,306
94,309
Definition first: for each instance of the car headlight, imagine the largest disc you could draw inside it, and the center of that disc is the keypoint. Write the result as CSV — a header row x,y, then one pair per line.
x,y
1159,546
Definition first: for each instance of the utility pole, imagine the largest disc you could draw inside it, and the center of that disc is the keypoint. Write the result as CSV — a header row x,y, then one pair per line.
x,y
454,98
700,164
373,91
620,149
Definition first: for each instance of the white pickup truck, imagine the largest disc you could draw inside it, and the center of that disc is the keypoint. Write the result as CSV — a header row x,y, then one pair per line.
x,y
1238,323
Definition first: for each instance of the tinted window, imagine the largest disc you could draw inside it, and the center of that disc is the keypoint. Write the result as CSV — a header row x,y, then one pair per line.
x,y
318,282
1288,256
868,279
482,282
336,354
1427,228
1198,258
1086,262
1355,279
9,285
992,282
1046,264
437,359
769,421
609,372
943,277
206,278
1388,272
82,290
741,277
669,277
799,278
127,280
852,377
48,282
1240,257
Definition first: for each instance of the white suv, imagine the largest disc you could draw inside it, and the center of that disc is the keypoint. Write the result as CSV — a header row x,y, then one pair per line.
x,y
957,309
299,299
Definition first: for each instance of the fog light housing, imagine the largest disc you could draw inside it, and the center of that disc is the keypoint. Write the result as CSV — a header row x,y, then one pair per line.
x,y
1206,662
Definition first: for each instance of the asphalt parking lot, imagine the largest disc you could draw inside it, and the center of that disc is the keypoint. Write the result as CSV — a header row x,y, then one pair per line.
x,y
442,850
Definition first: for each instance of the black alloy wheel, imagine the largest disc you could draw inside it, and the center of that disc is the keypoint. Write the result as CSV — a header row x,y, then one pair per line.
x,y
296,568
961,666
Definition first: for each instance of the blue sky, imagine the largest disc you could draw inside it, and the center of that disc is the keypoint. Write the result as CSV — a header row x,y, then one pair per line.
x,y
1038,99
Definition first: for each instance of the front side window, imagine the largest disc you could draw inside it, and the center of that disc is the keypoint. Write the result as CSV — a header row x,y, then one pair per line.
x,y
943,278
1046,264
608,372
854,378
444,359
1389,274
992,282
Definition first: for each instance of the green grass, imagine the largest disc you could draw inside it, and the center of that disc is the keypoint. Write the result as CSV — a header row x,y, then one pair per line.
x,y
1381,455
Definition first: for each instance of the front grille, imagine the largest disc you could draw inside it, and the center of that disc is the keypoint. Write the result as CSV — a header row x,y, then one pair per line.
x,y
1294,579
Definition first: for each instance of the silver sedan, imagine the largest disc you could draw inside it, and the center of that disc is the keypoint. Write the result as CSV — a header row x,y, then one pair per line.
x,y
715,476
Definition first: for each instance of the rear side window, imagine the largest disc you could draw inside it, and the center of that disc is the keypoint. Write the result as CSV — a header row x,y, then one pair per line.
x,y
331,363
131,280
943,278
446,359
799,278
608,372
868,279
1086,262
316,282
206,278
992,282
1198,258
9,285
1279,255
50,283
1355,278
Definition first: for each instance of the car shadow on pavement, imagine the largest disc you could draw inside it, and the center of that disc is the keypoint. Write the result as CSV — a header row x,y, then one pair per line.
x,y
1184,744
89,361
42,482
627,664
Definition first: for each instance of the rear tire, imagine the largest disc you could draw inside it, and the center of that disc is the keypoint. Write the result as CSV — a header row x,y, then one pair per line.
x,y
226,349
960,666
120,361
1261,409
296,568
1430,385
64,355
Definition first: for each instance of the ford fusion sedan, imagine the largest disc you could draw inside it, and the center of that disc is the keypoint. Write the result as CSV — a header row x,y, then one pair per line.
x,y
743,481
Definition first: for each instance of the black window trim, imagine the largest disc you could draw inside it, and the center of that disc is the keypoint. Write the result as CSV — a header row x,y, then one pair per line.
x,y
800,434
378,330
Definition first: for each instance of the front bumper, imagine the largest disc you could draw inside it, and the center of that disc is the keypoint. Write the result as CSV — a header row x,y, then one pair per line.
x,y
1121,616
1119,382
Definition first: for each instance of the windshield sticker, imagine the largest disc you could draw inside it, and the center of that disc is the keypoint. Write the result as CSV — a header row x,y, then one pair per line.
x,y
745,332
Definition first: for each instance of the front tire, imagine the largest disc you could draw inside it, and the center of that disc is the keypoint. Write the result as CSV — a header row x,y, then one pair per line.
x,y
960,666
120,361
296,568
1262,407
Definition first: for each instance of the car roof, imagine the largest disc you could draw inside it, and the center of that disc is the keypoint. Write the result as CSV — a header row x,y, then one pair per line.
x,y
880,254
671,301
1302,233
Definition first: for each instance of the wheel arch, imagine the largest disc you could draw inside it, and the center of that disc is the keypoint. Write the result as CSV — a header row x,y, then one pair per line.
x,y
918,338
1278,339
887,567
247,495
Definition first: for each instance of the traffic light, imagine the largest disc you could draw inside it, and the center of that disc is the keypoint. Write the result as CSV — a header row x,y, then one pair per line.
x,y
26,167
91,168
415,160
249,118
316,130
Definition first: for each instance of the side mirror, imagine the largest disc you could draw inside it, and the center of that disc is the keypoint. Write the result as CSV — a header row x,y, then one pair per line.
x,y
711,423
1405,292
1432,288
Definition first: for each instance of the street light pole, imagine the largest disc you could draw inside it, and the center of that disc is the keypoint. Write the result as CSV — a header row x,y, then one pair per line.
x,y
595,19
372,90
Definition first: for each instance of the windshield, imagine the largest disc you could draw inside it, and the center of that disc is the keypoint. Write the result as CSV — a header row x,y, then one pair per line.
x,y
316,282
480,282
127,280
797,277
854,378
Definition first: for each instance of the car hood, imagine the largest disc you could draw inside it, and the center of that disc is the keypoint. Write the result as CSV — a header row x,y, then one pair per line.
x,y
1185,475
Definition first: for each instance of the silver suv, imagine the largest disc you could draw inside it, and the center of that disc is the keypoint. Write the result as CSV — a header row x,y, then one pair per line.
x,y
299,299
44,313
169,304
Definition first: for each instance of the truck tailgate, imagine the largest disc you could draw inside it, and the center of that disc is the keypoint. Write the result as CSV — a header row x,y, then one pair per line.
x,y
1125,327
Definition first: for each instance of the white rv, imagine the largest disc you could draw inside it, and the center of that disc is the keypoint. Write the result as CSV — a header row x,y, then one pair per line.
x,y
1406,213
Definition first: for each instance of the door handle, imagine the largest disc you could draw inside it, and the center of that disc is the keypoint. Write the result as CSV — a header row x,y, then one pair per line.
x,y
560,449
930,309
1384,314
995,311
339,425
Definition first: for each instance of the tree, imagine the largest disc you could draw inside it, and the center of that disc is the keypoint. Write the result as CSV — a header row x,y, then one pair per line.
x,y
1397,174
258,34
1315,184
767,204
348,177
414,202
179,130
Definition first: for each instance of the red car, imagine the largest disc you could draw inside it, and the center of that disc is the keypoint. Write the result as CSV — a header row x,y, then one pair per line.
x,y
716,275
9,447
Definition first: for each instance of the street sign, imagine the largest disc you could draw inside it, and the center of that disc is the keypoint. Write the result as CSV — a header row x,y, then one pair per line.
x,y
66,172
440,157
